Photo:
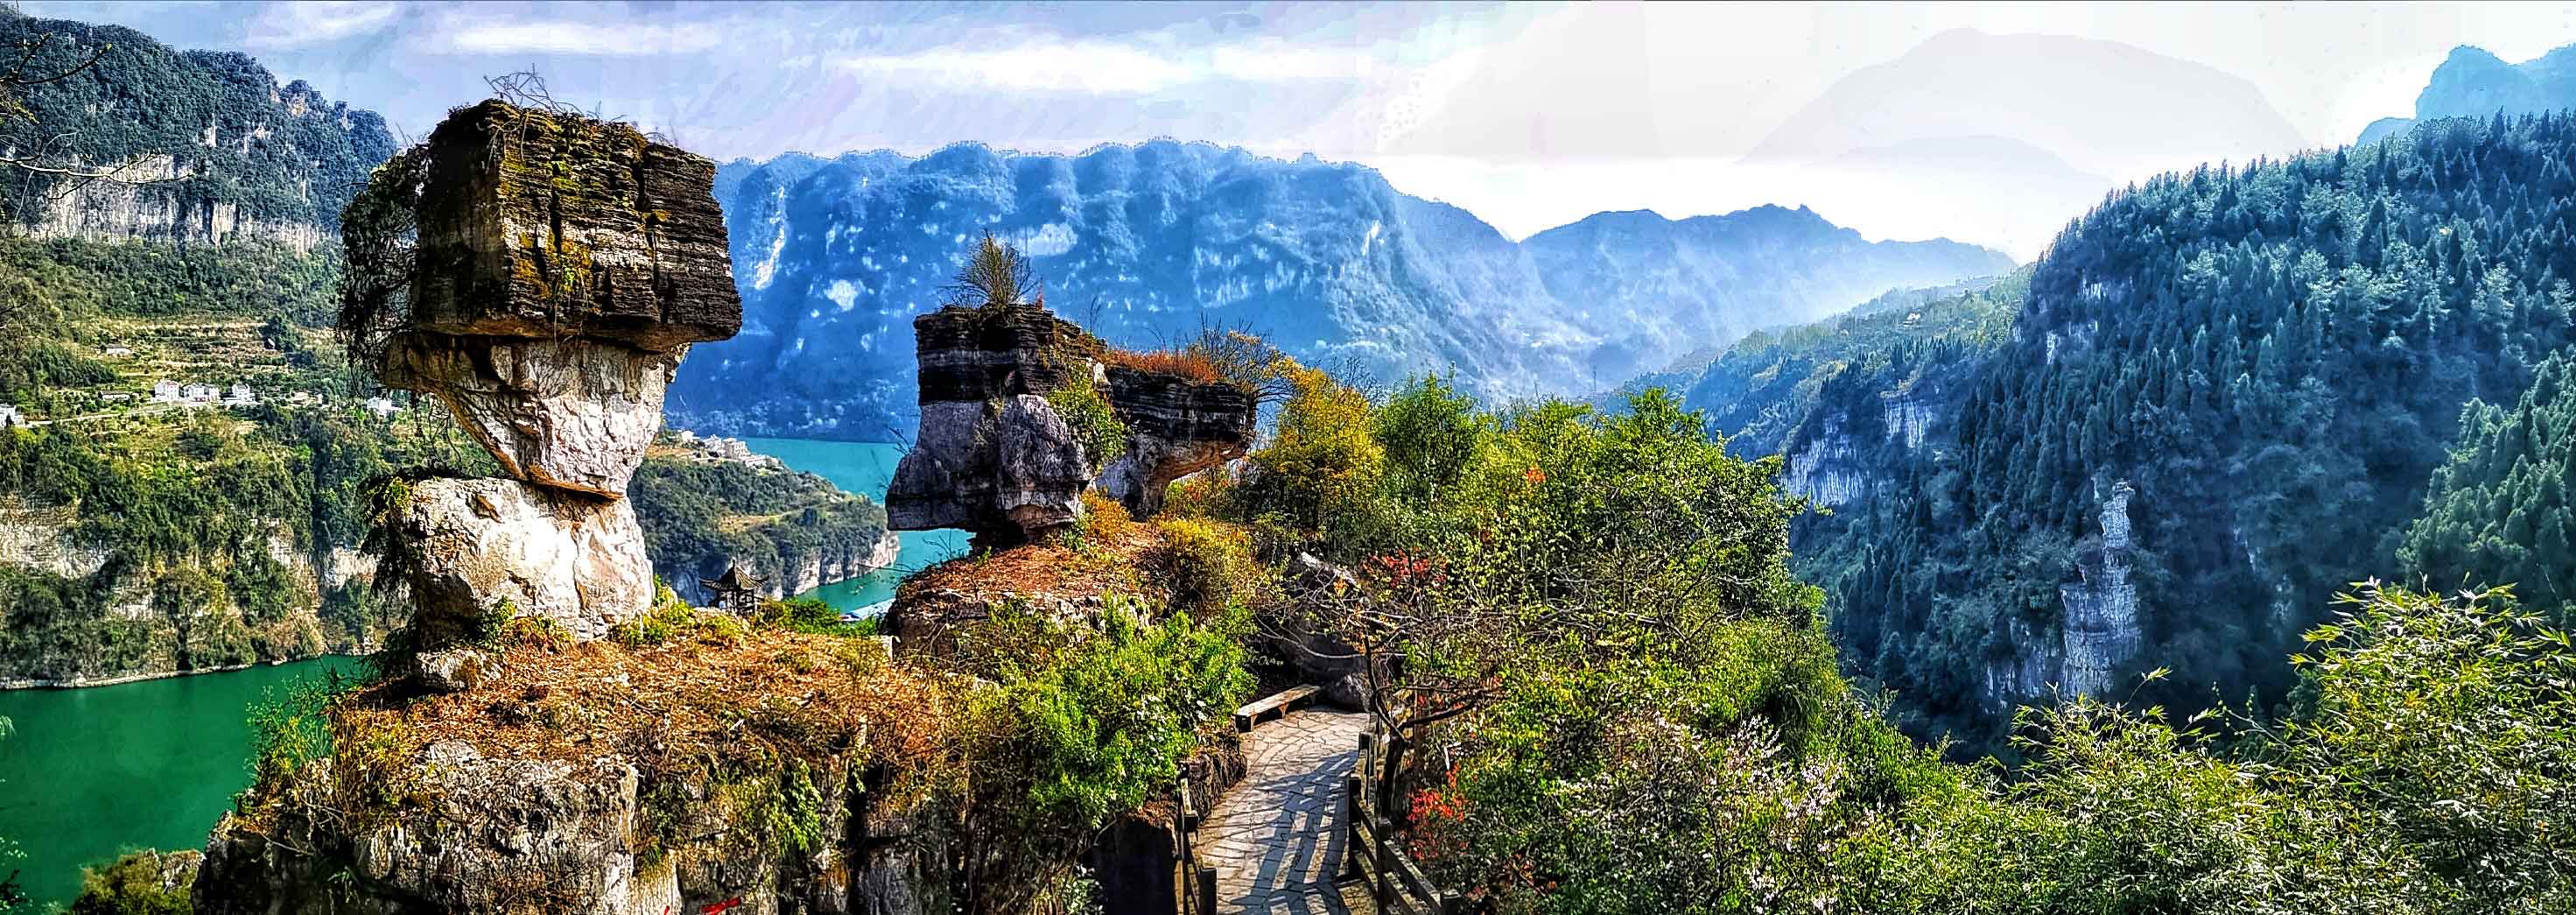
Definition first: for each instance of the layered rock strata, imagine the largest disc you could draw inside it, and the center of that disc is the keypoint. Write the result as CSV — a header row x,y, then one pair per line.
x,y
994,457
564,267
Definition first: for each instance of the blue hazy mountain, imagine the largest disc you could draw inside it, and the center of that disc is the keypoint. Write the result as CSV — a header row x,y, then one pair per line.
x,y
1149,243
2473,83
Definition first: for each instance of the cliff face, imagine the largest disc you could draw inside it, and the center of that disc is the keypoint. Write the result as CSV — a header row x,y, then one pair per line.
x,y
207,147
1826,470
2101,611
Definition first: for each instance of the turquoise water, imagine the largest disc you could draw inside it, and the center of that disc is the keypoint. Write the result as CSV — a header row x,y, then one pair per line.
x,y
863,468
88,773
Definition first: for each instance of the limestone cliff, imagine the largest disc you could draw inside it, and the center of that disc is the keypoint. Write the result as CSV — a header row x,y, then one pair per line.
x,y
206,147
2095,631
1826,469
2101,609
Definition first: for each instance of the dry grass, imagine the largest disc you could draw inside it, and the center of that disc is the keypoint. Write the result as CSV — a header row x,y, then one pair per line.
x,y
765,693
1107,555
1189,364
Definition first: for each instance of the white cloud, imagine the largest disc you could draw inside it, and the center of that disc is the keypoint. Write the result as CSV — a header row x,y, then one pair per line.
x,y
1081,67
294,25
564,36
1095,67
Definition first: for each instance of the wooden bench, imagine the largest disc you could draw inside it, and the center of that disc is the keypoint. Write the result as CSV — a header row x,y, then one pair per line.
x,y
1278,703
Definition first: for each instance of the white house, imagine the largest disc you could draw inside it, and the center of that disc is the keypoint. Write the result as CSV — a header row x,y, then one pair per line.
x,y
9,416
195,392
118,352
165,391
382,406
241,396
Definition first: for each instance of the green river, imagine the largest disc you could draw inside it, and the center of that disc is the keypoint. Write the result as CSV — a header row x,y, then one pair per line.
x,y
92,772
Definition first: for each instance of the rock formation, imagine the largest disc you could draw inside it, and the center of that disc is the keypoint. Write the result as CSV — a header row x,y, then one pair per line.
x,y
995,458
563,267
2102,610
563,556
1176,426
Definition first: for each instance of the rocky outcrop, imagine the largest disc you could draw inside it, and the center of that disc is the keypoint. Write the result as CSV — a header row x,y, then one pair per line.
x,y
994,457
2096,631
503,835
472,545
563,267
567,414
1825,470
1910,415
1176,426
2101,610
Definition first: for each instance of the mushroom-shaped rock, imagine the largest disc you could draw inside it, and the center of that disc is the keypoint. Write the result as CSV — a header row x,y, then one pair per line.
x,y
1176,426
564,265
993,457
996,459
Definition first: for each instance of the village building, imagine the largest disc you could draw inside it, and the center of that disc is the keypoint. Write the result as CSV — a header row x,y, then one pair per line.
x,y
165,391
11,417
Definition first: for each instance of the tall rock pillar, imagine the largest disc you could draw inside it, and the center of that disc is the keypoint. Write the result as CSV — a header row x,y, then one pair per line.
x,y
563,265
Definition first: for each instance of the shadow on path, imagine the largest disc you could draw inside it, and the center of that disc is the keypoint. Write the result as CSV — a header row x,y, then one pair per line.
x,y
1276,838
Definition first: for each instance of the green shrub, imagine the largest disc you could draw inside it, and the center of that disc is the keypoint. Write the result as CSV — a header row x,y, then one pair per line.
x,y
1094,423
138,883
1090,732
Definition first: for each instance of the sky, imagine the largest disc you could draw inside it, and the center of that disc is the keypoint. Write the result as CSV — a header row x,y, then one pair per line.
x,y
1529,115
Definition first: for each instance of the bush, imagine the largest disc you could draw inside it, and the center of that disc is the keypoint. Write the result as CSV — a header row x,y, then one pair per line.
x,y
814,617
1212,567
1090,732
139,883
1322,464
1095,425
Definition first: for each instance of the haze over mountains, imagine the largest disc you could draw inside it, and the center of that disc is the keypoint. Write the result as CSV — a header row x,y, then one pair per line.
x,y
1149,243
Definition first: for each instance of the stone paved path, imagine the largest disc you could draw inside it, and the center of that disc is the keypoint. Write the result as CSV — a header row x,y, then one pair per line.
x,y
1276,838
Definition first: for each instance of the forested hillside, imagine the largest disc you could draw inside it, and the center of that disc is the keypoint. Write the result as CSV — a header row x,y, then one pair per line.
x,y
2224,397
198,144
2499,510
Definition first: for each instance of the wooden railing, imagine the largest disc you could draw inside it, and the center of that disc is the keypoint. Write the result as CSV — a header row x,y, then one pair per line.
x,y
1374,853
1195,883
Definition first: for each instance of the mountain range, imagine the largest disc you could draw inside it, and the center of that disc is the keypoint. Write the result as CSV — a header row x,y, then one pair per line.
x,y
2474,83
1151,242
